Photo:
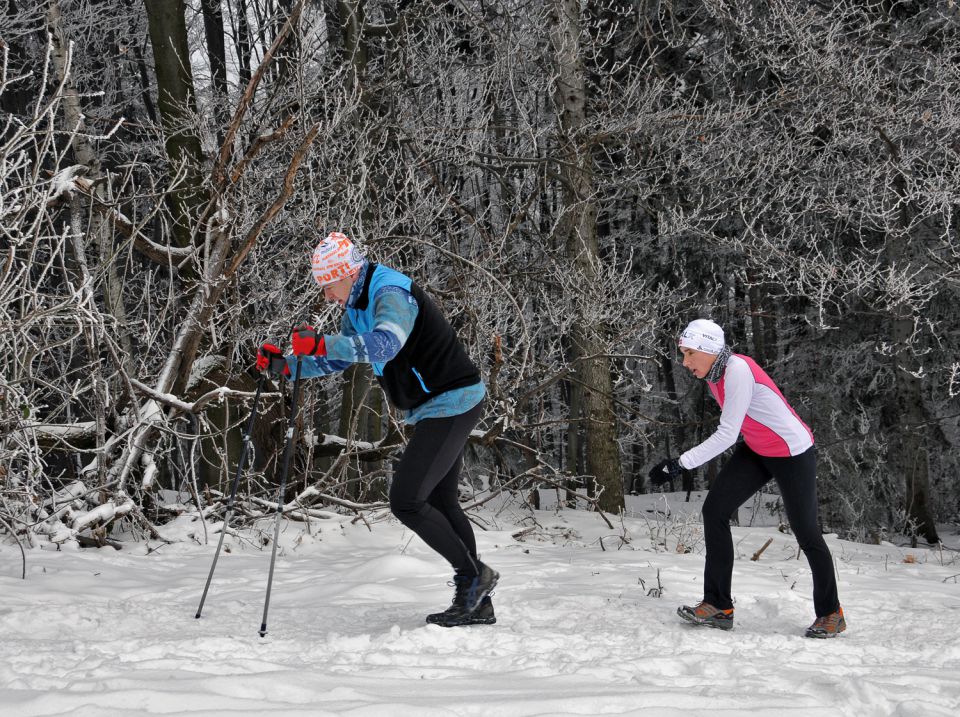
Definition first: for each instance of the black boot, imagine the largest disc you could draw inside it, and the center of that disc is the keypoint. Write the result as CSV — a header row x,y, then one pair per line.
x,y
480,586
457,614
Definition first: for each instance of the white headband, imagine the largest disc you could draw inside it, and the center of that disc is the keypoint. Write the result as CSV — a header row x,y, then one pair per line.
x,y
702,335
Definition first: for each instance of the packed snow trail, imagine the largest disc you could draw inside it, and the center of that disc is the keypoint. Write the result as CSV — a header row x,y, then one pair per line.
x,y
579,632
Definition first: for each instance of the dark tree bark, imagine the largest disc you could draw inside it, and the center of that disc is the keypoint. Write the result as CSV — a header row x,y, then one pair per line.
x,y
906,413
579,232
217,55
176,101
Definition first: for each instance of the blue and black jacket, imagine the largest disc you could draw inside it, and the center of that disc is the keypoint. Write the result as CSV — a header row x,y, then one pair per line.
x,y
431,362
392,324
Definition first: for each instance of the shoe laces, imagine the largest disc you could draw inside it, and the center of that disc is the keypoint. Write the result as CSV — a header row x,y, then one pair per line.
x,y
460,593
705,609
461,589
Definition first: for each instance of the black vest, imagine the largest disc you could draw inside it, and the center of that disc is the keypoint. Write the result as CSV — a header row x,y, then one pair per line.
x,y
431,362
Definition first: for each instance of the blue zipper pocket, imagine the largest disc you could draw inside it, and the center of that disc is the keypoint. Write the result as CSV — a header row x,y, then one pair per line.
x,y
420,379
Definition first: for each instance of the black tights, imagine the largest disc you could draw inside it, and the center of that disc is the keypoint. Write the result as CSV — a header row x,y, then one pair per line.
x,y
742,476
425,491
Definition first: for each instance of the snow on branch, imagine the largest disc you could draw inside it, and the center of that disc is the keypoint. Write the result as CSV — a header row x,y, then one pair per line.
x,y
167,399
72,433
100,515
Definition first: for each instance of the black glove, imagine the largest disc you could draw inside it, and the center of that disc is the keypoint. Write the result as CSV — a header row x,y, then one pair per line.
x,y
664,471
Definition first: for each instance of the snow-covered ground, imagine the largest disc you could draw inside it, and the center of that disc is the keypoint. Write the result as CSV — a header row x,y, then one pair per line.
x,y
586,625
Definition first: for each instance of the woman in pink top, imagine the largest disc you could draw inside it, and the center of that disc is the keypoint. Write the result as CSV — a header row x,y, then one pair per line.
x,y
776,444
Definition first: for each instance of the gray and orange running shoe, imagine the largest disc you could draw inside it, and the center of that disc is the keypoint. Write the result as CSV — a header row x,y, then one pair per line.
x,y
828,626
707,614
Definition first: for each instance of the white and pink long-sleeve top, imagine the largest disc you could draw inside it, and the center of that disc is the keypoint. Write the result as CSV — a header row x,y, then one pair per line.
x,y
751,404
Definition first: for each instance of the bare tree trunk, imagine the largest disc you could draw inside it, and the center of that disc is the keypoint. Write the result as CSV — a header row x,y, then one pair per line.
x,y
217,54
579,230
355,388
223,260
757,308
99,230
178,112
244,44
374,489
351,14
907,452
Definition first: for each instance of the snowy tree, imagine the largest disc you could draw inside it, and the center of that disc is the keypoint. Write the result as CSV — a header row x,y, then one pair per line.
x,y
572,182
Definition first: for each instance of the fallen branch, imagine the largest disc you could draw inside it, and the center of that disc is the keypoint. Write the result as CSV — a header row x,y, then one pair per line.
x,y
168,399
756,555
101,515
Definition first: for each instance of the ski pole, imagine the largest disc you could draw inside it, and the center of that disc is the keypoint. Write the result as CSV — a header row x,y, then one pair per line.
x,y
236,481
287,452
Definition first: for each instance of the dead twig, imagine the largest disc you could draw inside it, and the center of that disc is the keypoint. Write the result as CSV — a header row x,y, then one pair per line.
x,y
756,555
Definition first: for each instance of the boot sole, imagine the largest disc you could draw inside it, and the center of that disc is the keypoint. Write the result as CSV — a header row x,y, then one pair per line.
x,y
466,620
824,635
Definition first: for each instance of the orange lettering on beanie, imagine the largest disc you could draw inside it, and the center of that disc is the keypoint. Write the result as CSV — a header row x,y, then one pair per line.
x,y
335,258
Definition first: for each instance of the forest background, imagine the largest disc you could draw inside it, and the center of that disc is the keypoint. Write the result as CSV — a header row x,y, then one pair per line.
x,y
573,182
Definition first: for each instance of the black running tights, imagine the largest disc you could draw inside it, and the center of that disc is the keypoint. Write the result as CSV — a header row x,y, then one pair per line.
x,y
742,476
424,492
